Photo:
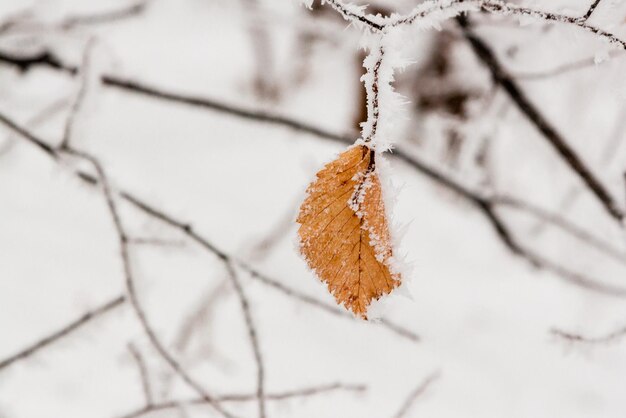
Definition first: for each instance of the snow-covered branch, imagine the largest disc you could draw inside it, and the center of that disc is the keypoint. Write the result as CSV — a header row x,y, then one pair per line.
x,y
434,12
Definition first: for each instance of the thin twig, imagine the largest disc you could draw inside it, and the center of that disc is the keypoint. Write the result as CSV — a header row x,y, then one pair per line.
x,y
199,317
23,21
27,135
563,224
611,337
278,396
252,334
48,58
63,332
80,96
109,16
609,153
45,114
416,393
261,249
563,68
331,309
156,242
143,374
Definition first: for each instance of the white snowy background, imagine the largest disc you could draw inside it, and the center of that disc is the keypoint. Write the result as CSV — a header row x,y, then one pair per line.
x,y
483,315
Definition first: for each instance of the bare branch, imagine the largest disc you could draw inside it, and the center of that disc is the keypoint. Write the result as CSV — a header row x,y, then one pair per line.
x,y
45,114
143,374
29,136
123,239
550,133
278,231
20,21
476,199
49,59
139,88
199,317
109,16
563,224
186,228
416,393
591,10
44,58
563,68
445,9
500,7
278,396
252,334
80,96
611,337
156,242
130,284
331,309
63,332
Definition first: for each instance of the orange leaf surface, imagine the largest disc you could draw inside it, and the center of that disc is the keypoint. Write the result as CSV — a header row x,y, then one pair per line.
x,y
344,235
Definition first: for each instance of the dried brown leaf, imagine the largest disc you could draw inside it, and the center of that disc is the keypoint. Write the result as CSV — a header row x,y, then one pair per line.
x,y
344,234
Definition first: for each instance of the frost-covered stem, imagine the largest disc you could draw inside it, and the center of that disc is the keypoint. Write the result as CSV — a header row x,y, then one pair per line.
x,y
63,332
591,9
372,87
429,9
500,7
434,12
353,13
